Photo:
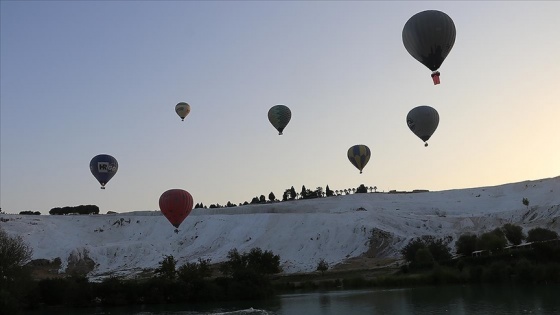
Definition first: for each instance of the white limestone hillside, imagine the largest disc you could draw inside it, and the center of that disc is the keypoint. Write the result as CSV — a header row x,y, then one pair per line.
x,y
301,232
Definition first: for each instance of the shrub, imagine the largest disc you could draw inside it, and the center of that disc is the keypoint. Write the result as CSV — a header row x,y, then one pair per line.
x,y
541,234
513,233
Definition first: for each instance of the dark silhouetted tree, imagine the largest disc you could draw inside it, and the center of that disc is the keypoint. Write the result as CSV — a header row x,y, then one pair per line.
x,y
191,272
303,192
293,193
15,278
525,202
166,269
322,266
541,234
438,248
466,244
30,212
361,189
493,241
271,197
329,192
286,195
513,233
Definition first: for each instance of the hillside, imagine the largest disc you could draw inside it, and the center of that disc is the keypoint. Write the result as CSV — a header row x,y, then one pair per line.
x,y
338,229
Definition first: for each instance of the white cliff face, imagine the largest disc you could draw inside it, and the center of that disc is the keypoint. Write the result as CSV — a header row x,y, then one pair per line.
x,y
301,232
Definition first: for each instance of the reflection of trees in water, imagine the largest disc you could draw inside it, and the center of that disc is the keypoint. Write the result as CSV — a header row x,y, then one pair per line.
x,y
325,300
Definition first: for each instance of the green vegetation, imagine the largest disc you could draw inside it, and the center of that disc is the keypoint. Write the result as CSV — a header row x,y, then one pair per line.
x,y
480,259
82,209
322,266
15,279
244,276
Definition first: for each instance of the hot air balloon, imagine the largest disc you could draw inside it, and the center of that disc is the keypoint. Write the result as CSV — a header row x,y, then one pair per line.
x,y
429,36
176,205
103,167
423,121
182,109
279,116
359,156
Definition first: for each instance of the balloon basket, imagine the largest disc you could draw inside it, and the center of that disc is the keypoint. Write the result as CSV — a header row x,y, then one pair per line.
x,y
435,77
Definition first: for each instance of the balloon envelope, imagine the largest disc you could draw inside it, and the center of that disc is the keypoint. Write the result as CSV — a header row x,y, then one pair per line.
x,y
279,116
176,205
423,121
429,36
359,156
103,167
182,109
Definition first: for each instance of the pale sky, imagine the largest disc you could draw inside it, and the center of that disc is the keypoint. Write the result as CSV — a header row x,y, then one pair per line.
x,y
79,79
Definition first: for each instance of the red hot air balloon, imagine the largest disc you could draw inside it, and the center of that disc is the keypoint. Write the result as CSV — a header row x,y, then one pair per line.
x,y
176,205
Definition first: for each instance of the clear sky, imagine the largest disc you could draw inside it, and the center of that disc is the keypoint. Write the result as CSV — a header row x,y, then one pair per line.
x,y
83,78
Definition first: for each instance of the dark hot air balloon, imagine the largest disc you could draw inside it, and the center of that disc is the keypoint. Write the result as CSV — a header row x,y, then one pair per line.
x,y
279,116
103,167
182,109
359,156
429,36
176,205
423,121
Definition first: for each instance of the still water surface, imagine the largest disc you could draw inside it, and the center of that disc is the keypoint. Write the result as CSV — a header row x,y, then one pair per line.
x,y
456,300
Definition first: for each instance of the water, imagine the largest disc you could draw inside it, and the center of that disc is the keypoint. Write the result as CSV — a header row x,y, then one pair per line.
x,y
456,300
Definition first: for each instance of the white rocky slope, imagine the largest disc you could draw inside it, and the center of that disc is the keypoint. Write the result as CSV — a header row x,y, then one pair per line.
x,y
301,232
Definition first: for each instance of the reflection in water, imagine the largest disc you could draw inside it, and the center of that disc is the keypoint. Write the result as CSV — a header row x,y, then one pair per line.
x,y
456,300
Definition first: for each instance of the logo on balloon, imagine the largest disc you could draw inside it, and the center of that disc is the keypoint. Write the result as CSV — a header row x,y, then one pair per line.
x,y
104,167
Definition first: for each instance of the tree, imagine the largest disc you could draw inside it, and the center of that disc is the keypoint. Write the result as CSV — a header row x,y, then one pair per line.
x,y
293,193
424,258
286,195
271,197
319,192
262,199
525,201
254,261
29,212
322,266
166,269
541,234
375,188
409,251
303,192
191,272
466,244
361,189
513,233
14,277
438,248
494,240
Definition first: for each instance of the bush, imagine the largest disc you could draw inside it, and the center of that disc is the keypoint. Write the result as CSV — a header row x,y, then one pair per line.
x,y
166,269
513,233
541,234
493,241
15,278
322,266
466,244
437,248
